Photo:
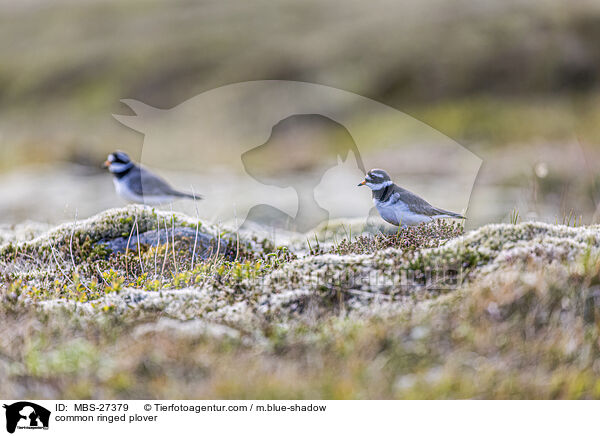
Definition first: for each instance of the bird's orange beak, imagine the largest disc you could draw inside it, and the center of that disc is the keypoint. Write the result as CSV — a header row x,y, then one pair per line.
x,y
364,182
106,164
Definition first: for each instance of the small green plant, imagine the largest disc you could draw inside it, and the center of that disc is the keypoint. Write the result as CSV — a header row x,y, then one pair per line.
x,y
316,249
182,279
113,280
572,220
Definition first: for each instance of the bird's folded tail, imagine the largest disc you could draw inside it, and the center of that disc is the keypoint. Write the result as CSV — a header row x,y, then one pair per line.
x,y
441,213
188,195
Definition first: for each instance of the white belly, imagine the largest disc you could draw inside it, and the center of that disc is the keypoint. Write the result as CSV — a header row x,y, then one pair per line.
x,y
399,215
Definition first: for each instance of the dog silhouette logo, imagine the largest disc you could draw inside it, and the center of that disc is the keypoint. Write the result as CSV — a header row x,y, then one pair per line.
x,y
296,143
26,415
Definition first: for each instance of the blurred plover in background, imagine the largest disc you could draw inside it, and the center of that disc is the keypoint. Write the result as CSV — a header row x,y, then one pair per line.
x,y
139,185
398,206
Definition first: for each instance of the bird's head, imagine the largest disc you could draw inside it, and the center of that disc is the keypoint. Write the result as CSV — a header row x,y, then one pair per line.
x,y
118,162
376,179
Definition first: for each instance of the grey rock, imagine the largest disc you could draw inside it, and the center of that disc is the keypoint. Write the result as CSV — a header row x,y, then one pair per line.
x,y
206,245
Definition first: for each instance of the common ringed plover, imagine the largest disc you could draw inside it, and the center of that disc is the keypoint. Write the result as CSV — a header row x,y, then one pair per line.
x,y
398,206
137,184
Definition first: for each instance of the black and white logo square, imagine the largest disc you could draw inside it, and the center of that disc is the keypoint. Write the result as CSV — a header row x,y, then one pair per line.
x,y
24,415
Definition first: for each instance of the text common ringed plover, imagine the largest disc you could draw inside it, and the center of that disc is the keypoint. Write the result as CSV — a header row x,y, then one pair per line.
x,y
139,185
398,206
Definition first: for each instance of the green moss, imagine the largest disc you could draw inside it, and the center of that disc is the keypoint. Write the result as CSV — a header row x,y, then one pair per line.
x,y
515,316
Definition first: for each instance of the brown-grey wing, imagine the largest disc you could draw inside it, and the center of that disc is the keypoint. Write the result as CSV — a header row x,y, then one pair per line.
x,y
420,206
143,182
415,203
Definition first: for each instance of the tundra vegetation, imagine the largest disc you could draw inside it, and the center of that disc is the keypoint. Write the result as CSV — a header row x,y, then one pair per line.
x,y
198,311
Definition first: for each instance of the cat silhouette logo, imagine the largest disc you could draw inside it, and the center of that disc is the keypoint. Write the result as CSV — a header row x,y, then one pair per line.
x,y
26,415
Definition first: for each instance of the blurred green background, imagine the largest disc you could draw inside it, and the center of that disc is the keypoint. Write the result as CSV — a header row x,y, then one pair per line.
x,y
516,82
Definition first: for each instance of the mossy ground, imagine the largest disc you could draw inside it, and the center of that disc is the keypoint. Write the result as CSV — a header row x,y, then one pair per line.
x,y
506,311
